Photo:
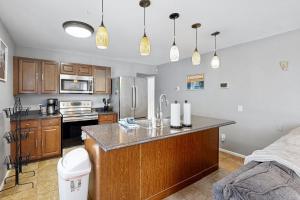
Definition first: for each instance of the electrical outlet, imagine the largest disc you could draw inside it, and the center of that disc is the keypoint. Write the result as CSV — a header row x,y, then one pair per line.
x,y
223,137
240,108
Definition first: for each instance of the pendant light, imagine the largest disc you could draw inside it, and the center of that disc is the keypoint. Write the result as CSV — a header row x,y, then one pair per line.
x,y
145,46
102,37
215,61
174,52
196,57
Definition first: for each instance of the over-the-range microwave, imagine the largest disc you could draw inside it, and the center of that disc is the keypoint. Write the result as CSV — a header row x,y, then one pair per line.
x,y
72,84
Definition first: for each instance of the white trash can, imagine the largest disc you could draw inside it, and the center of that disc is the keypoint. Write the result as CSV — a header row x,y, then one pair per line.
x,y
73,175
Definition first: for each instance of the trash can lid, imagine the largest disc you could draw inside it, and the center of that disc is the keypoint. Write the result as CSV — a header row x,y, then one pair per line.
x,y
76,160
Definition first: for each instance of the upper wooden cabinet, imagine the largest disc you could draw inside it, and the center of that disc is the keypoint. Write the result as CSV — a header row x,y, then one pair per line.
x,y
28,75
102,80
85,70
33,76
76,69
49,77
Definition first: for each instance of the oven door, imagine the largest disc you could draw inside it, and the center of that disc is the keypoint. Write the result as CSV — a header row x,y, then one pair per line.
x,y
71,84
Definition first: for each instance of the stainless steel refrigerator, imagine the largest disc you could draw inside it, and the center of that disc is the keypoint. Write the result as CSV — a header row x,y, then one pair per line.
x,y
130,97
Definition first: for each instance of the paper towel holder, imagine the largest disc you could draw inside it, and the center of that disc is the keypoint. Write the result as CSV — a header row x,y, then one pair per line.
x,y
186,125
176,127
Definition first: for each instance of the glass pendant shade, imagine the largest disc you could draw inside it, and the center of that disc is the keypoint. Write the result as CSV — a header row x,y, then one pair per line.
x,y
196,57
174,53
145,47
102,38
215,62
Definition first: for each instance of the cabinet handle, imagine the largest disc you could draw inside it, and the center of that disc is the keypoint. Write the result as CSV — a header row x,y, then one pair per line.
x,y
36,144
36,76
42,76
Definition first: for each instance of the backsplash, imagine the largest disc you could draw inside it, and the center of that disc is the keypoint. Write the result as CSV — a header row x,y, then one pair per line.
x,y
33,101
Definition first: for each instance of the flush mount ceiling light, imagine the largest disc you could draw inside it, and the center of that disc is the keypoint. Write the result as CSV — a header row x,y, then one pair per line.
x,y
102,37
174,52
145,46
215,61
78,29
196,58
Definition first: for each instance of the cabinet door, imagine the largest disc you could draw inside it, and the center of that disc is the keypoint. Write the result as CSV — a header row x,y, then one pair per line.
x,y
28,76
68,68
29,146
84,70
102,78
49,77
107,119
51,141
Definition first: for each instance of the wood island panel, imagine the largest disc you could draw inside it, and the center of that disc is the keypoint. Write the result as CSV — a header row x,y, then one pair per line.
x,y
153,170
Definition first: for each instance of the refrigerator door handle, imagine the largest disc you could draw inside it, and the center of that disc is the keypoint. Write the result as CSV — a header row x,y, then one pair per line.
x,y
132,97
135,97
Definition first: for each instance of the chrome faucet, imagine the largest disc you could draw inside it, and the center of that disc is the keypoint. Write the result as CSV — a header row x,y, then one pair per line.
x,y
162,98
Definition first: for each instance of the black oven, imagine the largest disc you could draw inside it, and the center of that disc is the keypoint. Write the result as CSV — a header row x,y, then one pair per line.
x,y
72,132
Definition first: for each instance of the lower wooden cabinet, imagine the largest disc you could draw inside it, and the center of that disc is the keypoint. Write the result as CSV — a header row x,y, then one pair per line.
x,y
107,118
51,145
44,138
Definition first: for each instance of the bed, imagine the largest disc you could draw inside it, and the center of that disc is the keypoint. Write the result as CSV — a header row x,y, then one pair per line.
x,y
270,173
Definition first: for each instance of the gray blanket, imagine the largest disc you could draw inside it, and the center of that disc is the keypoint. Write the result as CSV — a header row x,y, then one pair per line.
x,y
259,181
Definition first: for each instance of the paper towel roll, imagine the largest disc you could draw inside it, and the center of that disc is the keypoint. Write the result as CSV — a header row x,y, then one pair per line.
x,y
175,114
187,114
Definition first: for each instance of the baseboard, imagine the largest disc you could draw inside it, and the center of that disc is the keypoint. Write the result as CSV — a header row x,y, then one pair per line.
x,y
2,183
232,153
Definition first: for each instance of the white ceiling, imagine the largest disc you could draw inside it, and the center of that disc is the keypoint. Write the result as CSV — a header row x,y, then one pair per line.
x,y
38,24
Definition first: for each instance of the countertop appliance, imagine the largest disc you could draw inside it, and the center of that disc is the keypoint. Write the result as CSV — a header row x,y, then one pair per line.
x,y
130,97
76,114
52,106
72,84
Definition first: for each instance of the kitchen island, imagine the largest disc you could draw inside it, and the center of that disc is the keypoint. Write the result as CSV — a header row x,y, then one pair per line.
x,y
146,163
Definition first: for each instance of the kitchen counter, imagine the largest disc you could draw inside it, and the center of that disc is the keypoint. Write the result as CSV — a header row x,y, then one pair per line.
x,y
114,136
150,164
102,112
35,114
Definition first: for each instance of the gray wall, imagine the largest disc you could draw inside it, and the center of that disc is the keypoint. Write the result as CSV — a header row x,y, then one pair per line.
x,y
270,96
119,68
6,98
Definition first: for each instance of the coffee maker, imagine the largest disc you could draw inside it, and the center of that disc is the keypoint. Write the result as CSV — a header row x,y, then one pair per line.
x,y
52,106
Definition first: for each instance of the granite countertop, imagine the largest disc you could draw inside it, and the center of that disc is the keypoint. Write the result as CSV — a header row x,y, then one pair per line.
x,y
114,136
36,114
102,112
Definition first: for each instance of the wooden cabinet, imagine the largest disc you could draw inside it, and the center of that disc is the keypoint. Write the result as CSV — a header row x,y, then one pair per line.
x,y
102,80
51,141
33,76
31,144
68,68
28,76
44,138
76,69
49,77
84,70
107,118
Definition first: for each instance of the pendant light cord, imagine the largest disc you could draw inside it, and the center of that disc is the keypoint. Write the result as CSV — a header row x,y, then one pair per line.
x,y
102,14
174,42
196,39
144,22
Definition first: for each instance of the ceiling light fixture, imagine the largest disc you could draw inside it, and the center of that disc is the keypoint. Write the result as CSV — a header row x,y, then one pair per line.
x,y
102,37
78,29
215,61
174,52
196,57
145,46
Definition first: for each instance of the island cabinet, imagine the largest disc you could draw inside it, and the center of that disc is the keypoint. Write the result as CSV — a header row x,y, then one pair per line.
x,y
107,118
34,76
44,138
102,80
151,170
